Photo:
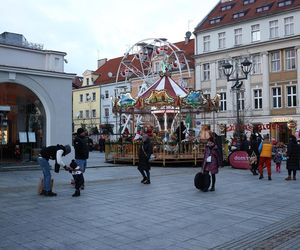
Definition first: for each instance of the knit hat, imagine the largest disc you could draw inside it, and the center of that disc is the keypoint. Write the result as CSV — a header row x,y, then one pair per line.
x,y
80,131
67,149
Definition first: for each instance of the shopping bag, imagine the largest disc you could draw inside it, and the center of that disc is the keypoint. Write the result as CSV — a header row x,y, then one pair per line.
x,y
41,185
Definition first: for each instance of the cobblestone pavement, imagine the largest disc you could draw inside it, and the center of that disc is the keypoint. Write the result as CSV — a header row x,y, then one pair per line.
x,y
116,211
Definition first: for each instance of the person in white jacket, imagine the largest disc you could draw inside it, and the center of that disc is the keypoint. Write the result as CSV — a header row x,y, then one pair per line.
x,y
51,153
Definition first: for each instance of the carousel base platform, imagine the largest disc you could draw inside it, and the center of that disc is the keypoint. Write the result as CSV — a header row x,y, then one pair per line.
x,y
176,161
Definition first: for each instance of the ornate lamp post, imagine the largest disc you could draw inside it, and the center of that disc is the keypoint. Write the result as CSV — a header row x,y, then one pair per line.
x,y
228,70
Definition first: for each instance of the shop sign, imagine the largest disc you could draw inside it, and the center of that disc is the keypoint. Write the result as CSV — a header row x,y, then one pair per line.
x,y
281,119
239,159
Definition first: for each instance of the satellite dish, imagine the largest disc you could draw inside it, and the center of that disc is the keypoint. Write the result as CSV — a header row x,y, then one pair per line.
x,y
110,75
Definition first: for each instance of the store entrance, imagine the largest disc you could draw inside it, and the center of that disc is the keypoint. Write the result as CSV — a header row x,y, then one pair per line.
x,y
280,131
22,124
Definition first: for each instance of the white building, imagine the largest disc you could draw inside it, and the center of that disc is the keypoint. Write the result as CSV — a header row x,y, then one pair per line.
x,y
267,34
35,96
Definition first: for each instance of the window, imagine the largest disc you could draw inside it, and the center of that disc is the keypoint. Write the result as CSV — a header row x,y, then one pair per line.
x,y
220,69
221,37
273,29
291,96
56,62
263,8
275,61
276,93
80,114
223,105
290,59
87,97
106,94
206,72
81,98
215,20
246,2
238,15
241,100
106,112
255,33
94,96
226,7
256,64
87,114
238,36
94,113
87,81
289,26
257,93
206,43
284,3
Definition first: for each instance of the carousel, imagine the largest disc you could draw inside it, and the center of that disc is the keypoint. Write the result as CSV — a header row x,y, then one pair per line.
x,y
159,111
159,106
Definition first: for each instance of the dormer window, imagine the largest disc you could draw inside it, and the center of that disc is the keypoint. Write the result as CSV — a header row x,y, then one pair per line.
x,y
239,14
215,20
264,8
285,3
246,2
226,7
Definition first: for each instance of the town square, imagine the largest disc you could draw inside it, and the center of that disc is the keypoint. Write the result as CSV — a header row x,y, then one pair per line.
x,y
148,131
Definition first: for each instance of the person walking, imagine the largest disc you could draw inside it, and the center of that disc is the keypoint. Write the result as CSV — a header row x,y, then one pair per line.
x,y
81,146
277,158
145,151
212,161
292,163
51,153
253,152
265,158
102,144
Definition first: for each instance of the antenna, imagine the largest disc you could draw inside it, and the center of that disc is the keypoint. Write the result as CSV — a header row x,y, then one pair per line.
x,y
189,21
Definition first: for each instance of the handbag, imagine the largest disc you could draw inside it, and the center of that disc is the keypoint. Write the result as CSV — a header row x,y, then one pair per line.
x,y
253,158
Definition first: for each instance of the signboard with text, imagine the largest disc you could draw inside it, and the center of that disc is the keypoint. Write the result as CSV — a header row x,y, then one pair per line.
x,y
239,159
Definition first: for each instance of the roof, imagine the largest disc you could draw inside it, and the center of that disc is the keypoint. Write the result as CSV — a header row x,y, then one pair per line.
x,y
77,82
225,11
108,71
169,85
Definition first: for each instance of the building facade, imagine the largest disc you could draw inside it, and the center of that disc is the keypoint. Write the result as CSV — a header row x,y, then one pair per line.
x,y
267,34
35,97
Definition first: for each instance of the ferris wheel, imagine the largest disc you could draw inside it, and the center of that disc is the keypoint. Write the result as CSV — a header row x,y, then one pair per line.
x,y
147,59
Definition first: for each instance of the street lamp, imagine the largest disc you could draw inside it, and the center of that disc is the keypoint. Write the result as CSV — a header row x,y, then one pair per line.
x,y
228,70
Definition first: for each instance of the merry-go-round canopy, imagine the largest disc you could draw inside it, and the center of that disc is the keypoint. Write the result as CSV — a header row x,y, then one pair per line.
x,y
168,84
165,92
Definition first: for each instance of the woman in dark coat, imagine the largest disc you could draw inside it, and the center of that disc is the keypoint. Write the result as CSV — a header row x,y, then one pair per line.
x,y
293,158
212,160
145,152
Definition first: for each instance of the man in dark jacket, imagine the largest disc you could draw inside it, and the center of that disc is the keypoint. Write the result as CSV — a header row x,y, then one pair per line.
x,y
51,153
81,146
145,152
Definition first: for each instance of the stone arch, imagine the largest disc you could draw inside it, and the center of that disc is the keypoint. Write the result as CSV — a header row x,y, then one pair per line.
x,y
24,92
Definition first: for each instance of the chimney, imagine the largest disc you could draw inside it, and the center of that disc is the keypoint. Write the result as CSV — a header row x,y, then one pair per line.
x,y
101,62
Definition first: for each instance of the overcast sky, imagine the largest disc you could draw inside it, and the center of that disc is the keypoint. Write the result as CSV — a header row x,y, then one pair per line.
x,y
88,30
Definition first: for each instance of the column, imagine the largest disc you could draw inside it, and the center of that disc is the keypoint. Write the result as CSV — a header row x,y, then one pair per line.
x,y
213,80
298,78
266,84
197,76
248,96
